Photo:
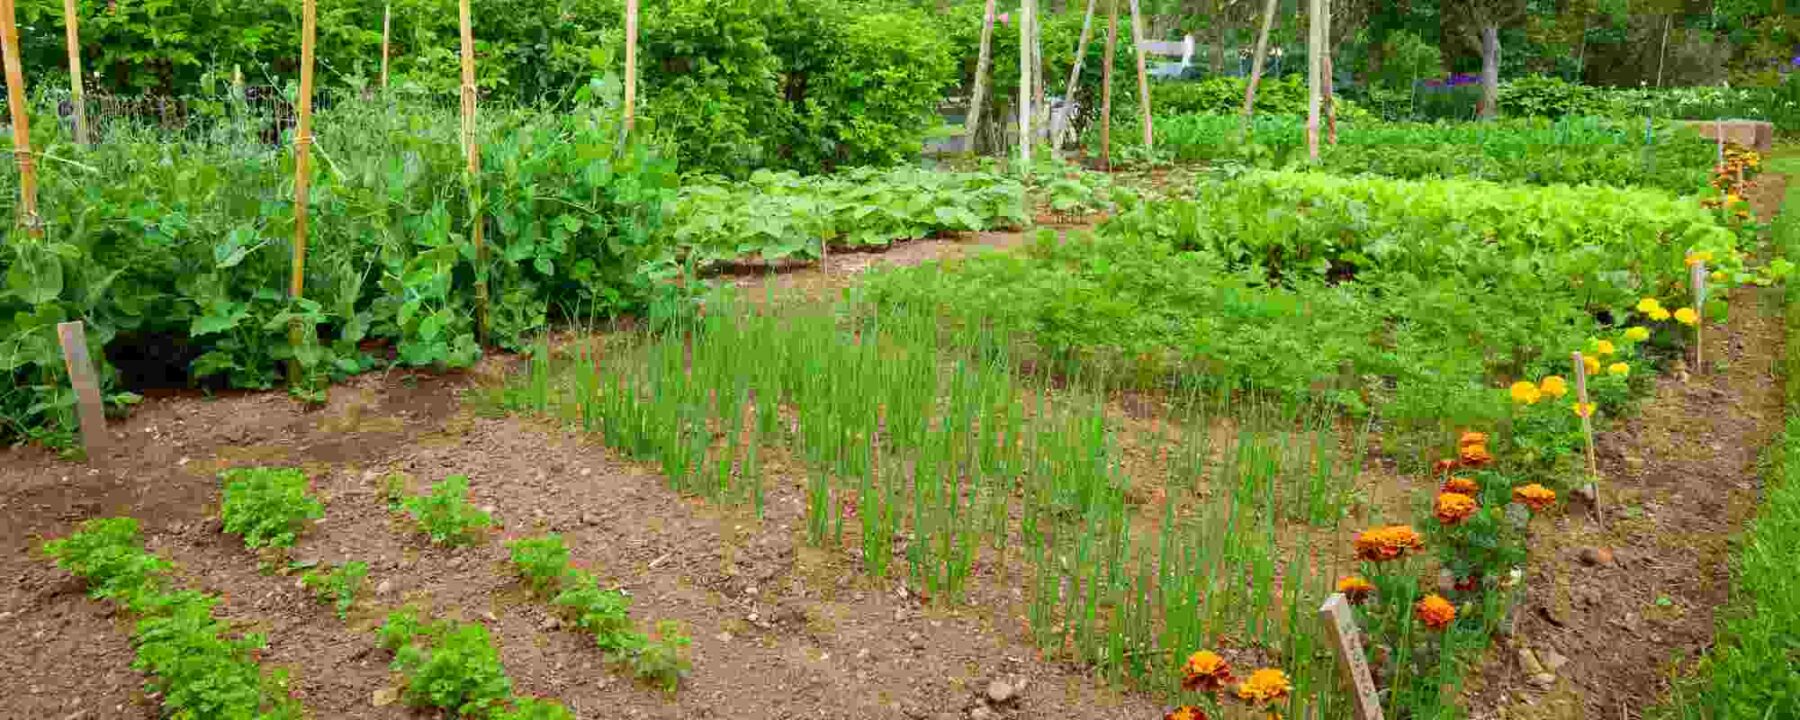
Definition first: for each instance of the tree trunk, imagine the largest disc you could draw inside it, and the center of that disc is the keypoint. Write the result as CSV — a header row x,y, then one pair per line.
x,y
1106,84
1330,79
1137,40
1218,44
978,98
1490,72
1256,62
1315,56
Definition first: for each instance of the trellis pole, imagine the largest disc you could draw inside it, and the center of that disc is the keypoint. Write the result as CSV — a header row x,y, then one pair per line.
x,y
1025,84
472,177
1087,31
631,48
387,28
978,97
1106,84
77,99
21,119
1256,65
1315,56
302,177
1143,74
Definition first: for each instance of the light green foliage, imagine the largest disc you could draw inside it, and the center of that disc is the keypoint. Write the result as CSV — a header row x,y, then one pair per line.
x,y
448,665
662,660
338,586
269,507
535,709
779,215
603,613
446,515
199,670
540,560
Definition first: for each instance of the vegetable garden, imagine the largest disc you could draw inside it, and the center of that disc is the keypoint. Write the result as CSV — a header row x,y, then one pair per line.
x,y
399,409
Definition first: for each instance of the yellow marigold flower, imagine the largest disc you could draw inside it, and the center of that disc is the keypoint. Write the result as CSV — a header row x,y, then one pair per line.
x,y
1648,305
1436,612
1591,363
1554,386
1718,276
1604,348
1186,712
1461,486
1387,543
1355,588
1583,409
1453,508
1534,496
1699,257
1205,671
1265,687
1637,333
1659,314
1525,393
1618,369
1687,316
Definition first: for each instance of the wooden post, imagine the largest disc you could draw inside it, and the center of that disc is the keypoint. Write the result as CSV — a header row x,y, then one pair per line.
x,y
1326,70
631,47
1041,120
21,120
1697,279
302,177
1340,624
77,99
1719,137
387,28
1256,65
1315,55
1087,31
1587,422
978,97
1137,40
87,387
1106,84
1025,85
472,179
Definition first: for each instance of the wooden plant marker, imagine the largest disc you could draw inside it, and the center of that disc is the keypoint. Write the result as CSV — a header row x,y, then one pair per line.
x,y
1697,277
73,336
21,120
1340,623
72,31
1587,427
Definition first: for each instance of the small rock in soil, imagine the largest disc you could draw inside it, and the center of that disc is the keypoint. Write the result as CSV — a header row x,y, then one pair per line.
x,y
980,712
385,697
1529,663
1597,556
1554,661
384,587
588,518
1543,680
1000,692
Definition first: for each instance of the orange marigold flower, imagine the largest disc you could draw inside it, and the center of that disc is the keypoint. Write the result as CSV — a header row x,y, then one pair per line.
x,y
1436,612
1355,588
1534,496
1265,687
1205,671
1453,508
1443,466
1186,712
1387,543
1470,437
1475,455
1461,486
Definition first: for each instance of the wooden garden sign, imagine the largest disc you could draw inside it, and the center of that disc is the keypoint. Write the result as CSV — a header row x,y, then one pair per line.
x,y
73,336
1340,623
1698,278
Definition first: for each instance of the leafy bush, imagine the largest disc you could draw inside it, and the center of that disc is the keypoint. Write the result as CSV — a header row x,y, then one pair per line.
x,y
599,612
338,586
446,664
184,248
269,507
662,660
445,513
535,709
195,666
541,560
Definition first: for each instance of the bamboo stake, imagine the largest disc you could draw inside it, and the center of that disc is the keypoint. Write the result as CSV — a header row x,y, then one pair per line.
x,y
1314,71
1087,31
978,97
1256,65
387,28
1697,278
78,101
1585,409
1106,84
1137,40
631,47
21,119
302,177
1025,84
473,177
1042,121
